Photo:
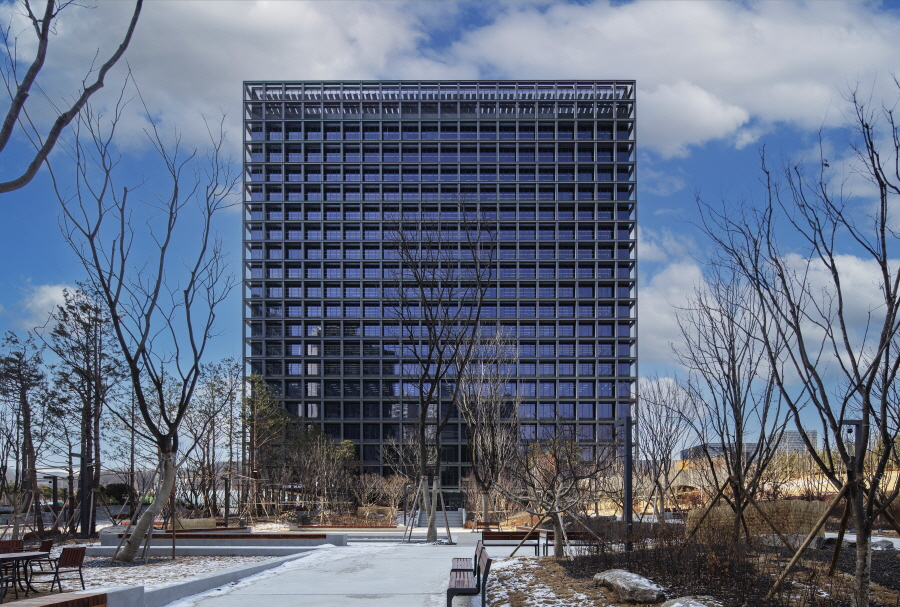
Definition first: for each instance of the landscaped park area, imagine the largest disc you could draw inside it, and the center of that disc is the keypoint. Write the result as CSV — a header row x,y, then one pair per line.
x,y
285,565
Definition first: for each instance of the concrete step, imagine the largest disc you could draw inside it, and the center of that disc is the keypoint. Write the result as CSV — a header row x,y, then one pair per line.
x,y
455,518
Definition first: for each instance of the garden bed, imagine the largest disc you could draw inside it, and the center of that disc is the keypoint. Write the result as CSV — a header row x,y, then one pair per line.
x,y
736,573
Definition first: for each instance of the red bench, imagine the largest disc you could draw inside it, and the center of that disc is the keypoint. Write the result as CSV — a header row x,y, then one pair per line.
x,y
512,538
470,581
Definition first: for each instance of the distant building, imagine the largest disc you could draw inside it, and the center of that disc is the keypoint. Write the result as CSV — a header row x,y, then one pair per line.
x,y
791,442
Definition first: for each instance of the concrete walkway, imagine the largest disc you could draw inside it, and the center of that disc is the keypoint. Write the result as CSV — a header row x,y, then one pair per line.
x,y
376,575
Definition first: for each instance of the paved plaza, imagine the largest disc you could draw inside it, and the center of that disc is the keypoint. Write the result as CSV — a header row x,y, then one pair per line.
x,y
371,573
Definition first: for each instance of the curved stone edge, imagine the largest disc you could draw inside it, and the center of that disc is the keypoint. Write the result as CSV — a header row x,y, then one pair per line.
x,y
138,596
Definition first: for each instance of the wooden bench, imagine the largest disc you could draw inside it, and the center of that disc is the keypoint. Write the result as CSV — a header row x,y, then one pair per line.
x,y
464,564
487,526
575,538
67,599
471,581
512,538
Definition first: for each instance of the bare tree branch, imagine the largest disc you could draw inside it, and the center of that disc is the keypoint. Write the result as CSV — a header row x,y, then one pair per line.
x,y
43,28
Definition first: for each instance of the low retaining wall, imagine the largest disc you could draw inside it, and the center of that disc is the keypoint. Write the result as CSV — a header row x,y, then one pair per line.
x,y
163,550
226,544
238,539
138,596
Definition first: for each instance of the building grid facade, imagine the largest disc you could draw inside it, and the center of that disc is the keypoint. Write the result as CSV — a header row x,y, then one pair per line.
x,y
549,166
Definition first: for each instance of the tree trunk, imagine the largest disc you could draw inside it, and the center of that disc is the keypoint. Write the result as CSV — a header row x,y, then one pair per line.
x,y
129,551
559,543
30,462
484,505
431,536
661,503
863,551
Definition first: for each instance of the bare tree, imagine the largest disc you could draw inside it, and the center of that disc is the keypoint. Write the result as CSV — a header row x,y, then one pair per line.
x,y
488,403
366,489
436,296
265,424
802,251
322,466
23,388
392,490
553,477
217,391
736,413
162,298
19,86
88,369
663,413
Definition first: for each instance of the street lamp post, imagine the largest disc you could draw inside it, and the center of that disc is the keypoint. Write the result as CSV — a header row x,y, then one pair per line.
x,y
54,496
855,425
227,480
55,482
628,498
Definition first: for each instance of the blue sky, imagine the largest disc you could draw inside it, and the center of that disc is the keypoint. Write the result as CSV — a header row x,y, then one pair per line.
x,y
715,81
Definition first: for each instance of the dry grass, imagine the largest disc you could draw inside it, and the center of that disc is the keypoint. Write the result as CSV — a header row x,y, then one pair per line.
x,y
525,582
546,582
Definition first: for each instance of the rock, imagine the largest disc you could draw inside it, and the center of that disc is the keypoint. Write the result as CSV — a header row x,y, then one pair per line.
x,y
694,601
831,542
883,545
630,587
794,539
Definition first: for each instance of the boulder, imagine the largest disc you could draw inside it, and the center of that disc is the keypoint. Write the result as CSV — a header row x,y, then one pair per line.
x,y
883,545
794,539
694,601
831,542
630,587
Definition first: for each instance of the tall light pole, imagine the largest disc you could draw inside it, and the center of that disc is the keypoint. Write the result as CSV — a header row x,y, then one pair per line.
x,y
227,480
627,424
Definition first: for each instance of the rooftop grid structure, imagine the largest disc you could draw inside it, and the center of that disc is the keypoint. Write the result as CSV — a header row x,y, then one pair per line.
x,y
547,168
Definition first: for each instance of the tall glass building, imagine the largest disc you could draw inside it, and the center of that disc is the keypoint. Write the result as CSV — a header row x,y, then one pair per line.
x,y
549,166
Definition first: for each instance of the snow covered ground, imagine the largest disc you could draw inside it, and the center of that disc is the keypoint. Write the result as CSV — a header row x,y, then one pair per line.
x,y
157,573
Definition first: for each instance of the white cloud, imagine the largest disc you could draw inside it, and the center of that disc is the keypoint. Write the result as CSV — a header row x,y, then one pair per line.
x,y
658,302
705,70
662,291
38,302
665,245
660,182
701,117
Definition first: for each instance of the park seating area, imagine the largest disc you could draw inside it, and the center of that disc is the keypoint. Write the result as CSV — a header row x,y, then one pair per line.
x,y
471,576
513,538
66,567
